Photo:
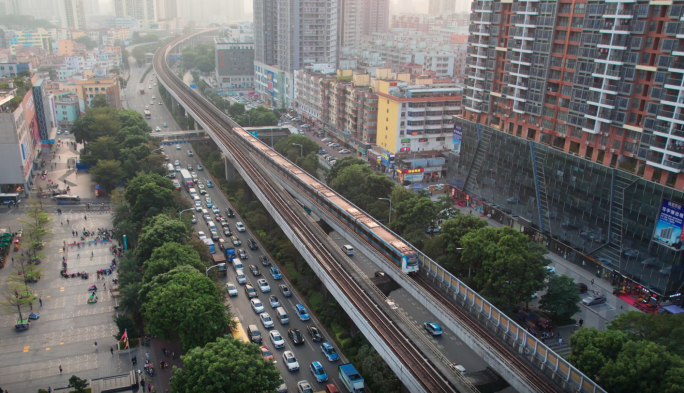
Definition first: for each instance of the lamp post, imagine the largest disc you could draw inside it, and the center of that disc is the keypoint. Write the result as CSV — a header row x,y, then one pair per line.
x,y
181,212
211,267
389,221
301,149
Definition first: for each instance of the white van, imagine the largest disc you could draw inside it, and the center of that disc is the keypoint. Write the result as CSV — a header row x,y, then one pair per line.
x,y
197,199
205,213
237,264
212,226
349,250
281,314
241,278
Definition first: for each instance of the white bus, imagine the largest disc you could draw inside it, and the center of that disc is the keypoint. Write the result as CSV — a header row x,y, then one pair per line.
x,y
9,199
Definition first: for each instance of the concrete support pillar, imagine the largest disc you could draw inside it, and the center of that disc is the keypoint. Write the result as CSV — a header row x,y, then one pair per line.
x,y
174,105
231,173
181,110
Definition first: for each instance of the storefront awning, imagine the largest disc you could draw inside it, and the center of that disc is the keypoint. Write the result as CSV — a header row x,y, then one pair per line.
x,y
672,309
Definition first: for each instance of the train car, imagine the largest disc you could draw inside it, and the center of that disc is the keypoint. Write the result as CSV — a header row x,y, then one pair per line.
x,y
382,239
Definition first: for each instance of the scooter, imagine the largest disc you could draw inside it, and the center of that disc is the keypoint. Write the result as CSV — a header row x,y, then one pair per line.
x,y
92,288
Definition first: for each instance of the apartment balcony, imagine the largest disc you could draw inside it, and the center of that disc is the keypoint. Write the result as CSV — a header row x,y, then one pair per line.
x,y
473,84
672,116
472,106
434,126
524,35
518,96
617,42
676,67
613,75
518,85
672,166
615,57
672,99
476,74
519,108
523,59
612,28
604,103
603,115
477,52
415,128
525,9
672,83
604,87
481,7
522,46
615,12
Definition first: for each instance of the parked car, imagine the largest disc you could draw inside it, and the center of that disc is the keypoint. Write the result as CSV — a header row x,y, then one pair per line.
x,y
593,300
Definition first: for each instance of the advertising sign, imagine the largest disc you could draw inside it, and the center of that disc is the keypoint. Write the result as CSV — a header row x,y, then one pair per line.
x,y
456,139
270,77
415,170
385,160
668,229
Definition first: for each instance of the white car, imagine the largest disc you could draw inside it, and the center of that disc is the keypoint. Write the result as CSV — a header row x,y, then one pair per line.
x,y
241,278
201,235
263,285
266,320
257,306
550,269
178,147
290,361
240,226
198,207
277,339
232,289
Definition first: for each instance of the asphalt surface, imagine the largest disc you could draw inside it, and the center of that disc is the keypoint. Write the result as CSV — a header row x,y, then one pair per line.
x,y
306,353
138,102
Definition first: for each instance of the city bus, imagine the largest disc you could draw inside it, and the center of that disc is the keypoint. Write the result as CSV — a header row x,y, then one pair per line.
x,y
148,115
9,199
171,171
67,199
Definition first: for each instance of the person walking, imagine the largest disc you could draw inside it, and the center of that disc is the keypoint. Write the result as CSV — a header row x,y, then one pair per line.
x,y
78,256
49,389
111,350
581,322
592,281
165,353
95,346
560,341
40,300
60,368
173,355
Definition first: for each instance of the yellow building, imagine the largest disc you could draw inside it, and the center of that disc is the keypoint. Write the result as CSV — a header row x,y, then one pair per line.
x,y
90,88
37,38
65,47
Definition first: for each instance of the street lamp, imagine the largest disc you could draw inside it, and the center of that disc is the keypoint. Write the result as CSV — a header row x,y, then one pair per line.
x,y
181,212
211,267
389,221
301,148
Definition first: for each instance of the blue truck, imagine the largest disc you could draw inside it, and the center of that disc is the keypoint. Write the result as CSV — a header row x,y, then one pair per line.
x,y
351,378
230,253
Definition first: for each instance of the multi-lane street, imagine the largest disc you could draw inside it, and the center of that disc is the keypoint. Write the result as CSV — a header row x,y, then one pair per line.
x,y
140,102
308,352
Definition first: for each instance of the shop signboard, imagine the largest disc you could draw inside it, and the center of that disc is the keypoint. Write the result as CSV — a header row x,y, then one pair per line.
x,y
414,177
406,140
456,138
411,171
386,160
668,229
270,76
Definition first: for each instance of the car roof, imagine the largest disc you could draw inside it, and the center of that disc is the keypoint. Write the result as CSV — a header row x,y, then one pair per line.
x,y
326,345
317,364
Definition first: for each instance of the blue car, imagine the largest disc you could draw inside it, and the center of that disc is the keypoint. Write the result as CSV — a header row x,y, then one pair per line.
x,y
318,371
275,272
329,352
301,312
210,184
433,328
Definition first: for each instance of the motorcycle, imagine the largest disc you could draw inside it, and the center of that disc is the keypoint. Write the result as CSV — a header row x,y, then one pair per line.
x,y
92,288
33,316
150,369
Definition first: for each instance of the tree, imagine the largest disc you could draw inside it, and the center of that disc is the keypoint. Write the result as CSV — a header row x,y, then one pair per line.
x,y
161,229
148,194
139,54
168,257
189,305
447,246
340,165
361,186
591,349
87,41
372,365
107,173
285,146
414,214
99,101
643,366
77,383
16,299
663,329
225,366
104,148
506,267
127,325
236,110
561,298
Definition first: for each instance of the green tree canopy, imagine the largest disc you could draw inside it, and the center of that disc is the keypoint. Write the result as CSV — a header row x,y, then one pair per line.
x,y
561,299
189,305
506,267
107,173
445,248
148,194
225,366
340,165
161,229
236,110
99,101
362,187
591,349
169,256
664,329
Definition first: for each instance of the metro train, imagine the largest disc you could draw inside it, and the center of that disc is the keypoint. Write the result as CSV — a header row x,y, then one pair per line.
x,y
383,240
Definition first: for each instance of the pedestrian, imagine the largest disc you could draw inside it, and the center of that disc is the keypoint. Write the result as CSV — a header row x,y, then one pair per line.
x,y
142,385
12,260
581,322
40,300
95,346
49,389
149,387
164,350
105,286
78,256
61,223
85,217
60,368
560,340
592,281
67,221
173,355
92,254
147,355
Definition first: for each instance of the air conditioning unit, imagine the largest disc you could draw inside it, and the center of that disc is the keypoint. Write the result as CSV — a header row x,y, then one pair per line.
x,y
587,142
612,150
523,121
603,148
605,134
574,154
631,155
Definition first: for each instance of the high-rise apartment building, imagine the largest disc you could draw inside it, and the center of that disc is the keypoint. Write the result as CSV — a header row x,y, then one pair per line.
x,y
351,23
375,16
72,14
234,64
12,7
265,29
168,9
92,7
144,11
574,123
442,7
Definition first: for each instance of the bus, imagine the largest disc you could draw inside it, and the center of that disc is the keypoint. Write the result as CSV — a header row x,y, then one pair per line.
x,y
67,199
148,115
171,171
10,199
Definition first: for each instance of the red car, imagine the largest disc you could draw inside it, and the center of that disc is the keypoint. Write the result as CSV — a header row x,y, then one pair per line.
x,y
266,353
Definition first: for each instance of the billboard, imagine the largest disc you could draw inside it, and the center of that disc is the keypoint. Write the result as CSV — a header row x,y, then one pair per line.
x,y
456,138
270,76
668,229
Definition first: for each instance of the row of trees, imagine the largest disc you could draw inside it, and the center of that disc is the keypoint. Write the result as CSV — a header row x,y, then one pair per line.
x,y
164,286
200,56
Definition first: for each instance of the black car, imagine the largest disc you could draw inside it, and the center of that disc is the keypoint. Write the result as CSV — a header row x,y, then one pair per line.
x,y
229,212
296,336
255,270
252,244
264,260
250,291
314,333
